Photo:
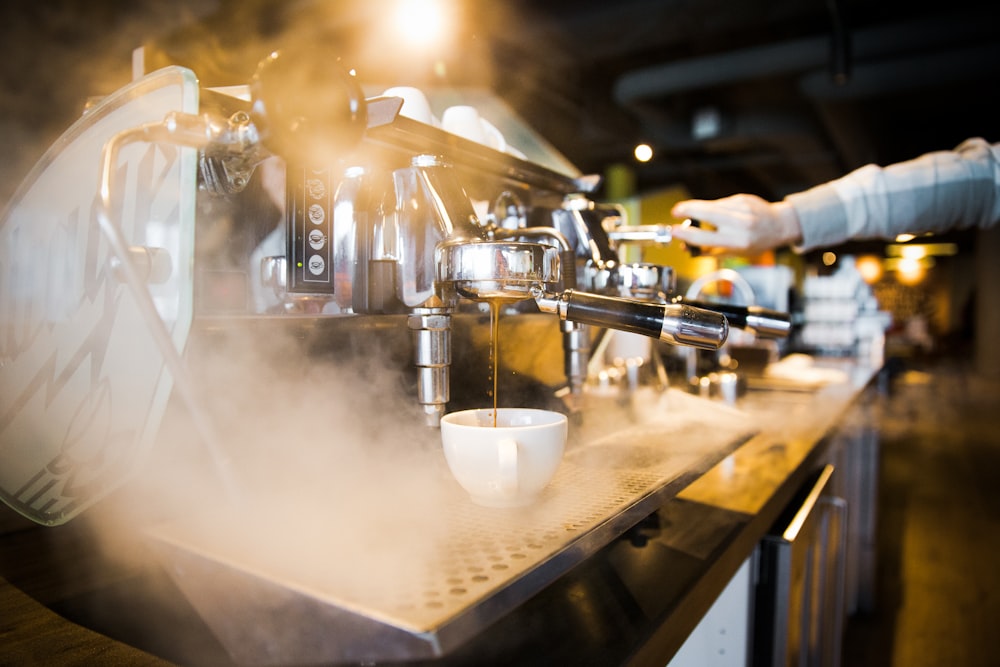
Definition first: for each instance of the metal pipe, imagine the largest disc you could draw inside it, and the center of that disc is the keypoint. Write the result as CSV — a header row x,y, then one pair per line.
x,y
431,329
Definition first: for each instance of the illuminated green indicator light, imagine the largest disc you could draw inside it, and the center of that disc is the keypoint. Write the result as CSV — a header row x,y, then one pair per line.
x,y
299,265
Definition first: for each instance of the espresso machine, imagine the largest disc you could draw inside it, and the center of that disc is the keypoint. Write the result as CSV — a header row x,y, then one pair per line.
x,y
330,226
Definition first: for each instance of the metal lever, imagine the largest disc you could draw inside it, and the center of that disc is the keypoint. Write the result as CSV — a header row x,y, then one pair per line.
x,y
677,323
654,234
651,235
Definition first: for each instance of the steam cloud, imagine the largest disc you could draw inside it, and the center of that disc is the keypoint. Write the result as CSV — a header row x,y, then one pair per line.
x,y
330,458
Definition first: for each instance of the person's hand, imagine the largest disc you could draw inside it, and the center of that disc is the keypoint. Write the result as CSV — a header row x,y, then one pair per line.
x,y
740,223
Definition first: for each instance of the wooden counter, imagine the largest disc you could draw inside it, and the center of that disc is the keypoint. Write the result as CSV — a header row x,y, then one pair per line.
x,y
40,567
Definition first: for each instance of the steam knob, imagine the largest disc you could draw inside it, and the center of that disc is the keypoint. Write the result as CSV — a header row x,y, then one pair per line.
x,y
307,107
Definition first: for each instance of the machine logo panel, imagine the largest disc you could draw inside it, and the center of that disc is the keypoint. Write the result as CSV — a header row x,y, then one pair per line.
x,y
310,231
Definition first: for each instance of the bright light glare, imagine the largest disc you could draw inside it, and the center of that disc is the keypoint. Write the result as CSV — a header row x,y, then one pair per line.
x,y
421,22
903,238
643,152
913,252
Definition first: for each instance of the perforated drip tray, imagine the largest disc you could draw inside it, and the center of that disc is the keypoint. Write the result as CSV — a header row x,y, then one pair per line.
x,y
444,570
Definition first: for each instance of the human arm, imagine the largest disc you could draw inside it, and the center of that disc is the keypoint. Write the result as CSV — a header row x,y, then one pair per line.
x,y
932,193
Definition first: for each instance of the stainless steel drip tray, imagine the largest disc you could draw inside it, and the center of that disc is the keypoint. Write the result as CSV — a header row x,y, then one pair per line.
x,y
448,568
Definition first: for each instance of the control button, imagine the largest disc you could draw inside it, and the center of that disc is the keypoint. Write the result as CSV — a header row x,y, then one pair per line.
x,y
316,214
315,188
316,265
317,239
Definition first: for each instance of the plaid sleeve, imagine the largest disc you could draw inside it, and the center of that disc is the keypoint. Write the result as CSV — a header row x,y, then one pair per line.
x,y
932,193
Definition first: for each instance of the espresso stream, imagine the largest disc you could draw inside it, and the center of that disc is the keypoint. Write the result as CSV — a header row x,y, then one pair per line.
x,y
495,350
495,304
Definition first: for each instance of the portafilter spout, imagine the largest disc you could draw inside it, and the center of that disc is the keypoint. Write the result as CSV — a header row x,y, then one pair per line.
x,y
481,270
446,254
496,270
511,271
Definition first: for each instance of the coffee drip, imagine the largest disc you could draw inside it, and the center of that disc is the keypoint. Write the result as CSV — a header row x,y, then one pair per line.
x,y
495,354
496,304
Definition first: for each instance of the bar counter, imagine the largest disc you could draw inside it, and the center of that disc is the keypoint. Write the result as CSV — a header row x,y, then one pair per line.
x,y
632,603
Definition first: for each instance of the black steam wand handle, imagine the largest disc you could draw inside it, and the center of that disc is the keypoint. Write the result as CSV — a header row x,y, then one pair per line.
x,y
677,323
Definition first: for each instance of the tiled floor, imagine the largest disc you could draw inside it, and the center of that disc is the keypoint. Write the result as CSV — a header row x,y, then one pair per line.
x,y
938,599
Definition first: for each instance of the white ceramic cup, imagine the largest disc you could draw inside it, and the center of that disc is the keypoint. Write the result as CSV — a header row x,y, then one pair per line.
x,y
466,122
508,465
415,104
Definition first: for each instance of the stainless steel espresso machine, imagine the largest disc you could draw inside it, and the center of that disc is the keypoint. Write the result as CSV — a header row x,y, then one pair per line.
x,y
316,217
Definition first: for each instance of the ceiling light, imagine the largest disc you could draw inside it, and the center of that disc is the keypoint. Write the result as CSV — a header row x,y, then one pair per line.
x,y
422,23
643,152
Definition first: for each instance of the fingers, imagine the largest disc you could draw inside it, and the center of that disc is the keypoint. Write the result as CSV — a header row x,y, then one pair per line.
x,y
740,222
735,211
721,237
704,246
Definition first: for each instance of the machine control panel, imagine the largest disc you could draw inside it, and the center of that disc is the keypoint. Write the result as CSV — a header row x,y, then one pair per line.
x,y
310,230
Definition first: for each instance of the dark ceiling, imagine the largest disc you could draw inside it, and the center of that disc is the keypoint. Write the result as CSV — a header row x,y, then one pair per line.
x,y
763,96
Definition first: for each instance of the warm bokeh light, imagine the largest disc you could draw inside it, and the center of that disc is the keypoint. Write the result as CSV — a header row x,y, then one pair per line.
x,y
829,258
870,268
903,238
910,271
643,152
421,23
